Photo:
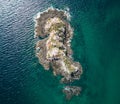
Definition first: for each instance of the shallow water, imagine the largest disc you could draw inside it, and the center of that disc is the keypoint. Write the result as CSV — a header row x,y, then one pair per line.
x,y
96,45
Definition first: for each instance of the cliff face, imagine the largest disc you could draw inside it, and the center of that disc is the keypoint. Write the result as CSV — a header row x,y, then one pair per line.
x,y
54,49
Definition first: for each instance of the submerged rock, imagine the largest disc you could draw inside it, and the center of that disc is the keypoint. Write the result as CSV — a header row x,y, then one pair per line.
x,y
71,91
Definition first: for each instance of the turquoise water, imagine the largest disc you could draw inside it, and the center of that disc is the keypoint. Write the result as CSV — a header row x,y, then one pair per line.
x,y
96,45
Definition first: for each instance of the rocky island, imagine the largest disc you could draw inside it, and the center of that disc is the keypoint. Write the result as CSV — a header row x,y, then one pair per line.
x,y
53,49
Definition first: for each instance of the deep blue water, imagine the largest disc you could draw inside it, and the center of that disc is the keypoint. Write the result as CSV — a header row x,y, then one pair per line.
x,y
96,45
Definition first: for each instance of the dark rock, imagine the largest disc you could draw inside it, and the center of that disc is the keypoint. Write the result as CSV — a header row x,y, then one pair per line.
x,y
71,91
66,80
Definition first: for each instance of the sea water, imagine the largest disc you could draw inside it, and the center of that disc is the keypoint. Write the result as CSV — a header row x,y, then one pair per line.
x,y
95,44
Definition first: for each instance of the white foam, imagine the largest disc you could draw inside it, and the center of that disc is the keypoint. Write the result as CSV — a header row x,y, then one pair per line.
x,y
66,12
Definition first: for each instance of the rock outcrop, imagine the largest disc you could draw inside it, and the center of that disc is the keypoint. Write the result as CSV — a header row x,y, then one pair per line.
x,y
71,91
54,49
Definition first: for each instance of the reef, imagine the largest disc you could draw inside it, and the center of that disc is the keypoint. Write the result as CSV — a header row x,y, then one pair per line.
x,y
71,91
53,49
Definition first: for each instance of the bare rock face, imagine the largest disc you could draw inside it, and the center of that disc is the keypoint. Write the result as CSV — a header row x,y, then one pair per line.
x,y
71,91
54,50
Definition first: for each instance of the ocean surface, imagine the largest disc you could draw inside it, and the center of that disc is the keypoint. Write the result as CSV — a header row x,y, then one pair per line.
x,y
96,45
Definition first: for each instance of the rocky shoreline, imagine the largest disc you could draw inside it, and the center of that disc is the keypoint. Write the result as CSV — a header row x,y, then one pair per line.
x,y
54,49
